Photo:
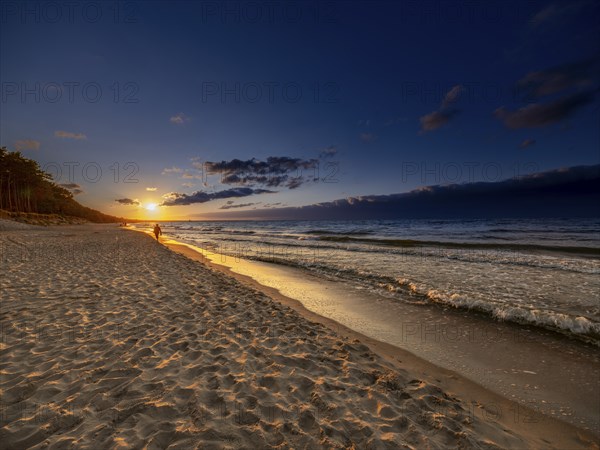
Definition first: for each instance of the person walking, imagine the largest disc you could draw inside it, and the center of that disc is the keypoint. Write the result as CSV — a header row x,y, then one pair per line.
x,y
157,231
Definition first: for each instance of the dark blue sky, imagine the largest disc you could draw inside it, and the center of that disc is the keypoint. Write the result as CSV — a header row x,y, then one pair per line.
x,y
345,98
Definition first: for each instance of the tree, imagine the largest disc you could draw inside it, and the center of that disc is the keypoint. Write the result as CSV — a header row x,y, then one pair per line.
x,y
25,187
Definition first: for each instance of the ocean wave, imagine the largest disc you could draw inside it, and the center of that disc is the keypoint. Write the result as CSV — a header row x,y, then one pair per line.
x,y
336,258
575,326
242,232
294,245
339,233
578,327
582,251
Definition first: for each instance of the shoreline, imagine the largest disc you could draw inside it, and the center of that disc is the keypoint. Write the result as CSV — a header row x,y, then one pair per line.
x,y
579,324
110,339
501,409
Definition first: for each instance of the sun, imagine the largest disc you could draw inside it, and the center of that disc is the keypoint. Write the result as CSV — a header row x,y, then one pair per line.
x,y
151,206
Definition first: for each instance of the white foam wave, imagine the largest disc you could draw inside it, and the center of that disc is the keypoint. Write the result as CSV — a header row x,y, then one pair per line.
x,y
577,325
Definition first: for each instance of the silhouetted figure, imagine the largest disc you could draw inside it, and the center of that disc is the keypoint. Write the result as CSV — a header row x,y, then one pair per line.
x,y
157,231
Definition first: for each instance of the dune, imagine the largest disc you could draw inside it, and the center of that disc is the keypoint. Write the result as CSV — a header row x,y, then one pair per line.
x,y
112,340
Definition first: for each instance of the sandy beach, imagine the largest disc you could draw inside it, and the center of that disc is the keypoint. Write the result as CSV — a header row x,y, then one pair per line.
x,y
112,340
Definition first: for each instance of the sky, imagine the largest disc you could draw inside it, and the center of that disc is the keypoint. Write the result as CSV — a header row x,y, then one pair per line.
x,y
197,109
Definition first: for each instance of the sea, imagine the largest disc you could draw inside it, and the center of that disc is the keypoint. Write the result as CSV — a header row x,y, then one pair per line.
x,y
538,273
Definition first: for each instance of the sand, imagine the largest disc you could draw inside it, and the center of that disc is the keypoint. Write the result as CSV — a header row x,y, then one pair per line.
x,y
112,340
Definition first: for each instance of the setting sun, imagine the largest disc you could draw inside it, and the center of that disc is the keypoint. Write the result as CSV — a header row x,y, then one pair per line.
x,y
151,206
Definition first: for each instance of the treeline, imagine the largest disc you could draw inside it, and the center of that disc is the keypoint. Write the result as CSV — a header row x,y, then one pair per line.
x,y
26,188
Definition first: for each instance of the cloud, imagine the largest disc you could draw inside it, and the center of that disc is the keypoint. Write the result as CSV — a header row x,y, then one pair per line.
x,y
276,171
74,188
295,183
169,170
230,205
579,74
128,201
543,114
367,137
69,135
179,119
565,192
328,152
527,143
197,163
191,176
175,198
27,144
188,185
272,205
151,189
444,114
436,119
452,96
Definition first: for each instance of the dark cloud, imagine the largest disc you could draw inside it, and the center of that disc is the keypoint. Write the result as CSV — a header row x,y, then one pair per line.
x,y
276,171
294,183
527,143
328,152
542,114
452,96
74,188
579,74
128,201
175,198
444,114
241,205
568,192
436,119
